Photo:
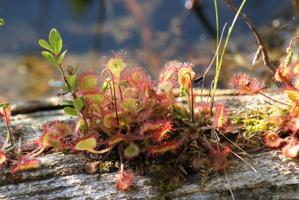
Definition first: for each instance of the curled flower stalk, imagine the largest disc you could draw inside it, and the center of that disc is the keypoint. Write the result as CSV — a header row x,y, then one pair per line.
x,y
185,78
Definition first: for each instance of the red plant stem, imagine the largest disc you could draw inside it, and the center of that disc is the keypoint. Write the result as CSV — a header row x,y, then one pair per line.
x,y
8,127
275,100
191,101
120,92
113,94
114,98
72,92
120,157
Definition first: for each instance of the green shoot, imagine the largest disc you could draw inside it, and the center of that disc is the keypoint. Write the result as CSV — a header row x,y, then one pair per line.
x,y
220,60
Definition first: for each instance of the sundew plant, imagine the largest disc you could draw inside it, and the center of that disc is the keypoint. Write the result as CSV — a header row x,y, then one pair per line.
x,y
120,114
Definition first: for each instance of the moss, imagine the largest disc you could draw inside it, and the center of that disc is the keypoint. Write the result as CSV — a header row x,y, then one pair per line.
x,y
107,166
255,122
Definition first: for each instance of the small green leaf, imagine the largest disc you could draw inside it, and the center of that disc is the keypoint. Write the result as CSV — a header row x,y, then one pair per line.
x,y
67,103
61,57
78,104
55,41
48,56
44,44
2,22
71,111
72,80
106,84
58,84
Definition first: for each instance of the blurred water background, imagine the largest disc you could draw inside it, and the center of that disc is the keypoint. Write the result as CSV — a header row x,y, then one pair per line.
x,y
151,32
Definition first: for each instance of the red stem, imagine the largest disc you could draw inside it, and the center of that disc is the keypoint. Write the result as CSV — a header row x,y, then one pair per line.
x,y
191,102
114,93
8,127
275,100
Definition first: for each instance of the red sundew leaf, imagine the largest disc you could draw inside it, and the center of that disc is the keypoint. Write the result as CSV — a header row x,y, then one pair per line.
x,y
89,144
149,127
25,164
53,133
163,148
293,96
138,79
60,128
94,102
3,158
218,159
124,180
221,119
116,139
283,74
5,110
291,150
272,139
130,105
109,120
116,66
169,75
294,125
162,132
186,75
95,97
88,82
245,84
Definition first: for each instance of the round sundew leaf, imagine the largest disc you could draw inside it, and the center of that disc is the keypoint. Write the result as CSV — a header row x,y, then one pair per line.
x,y
129,92
87,144
55,41
87,82
108,120
292,95
96,98
130,105
116,65
131,151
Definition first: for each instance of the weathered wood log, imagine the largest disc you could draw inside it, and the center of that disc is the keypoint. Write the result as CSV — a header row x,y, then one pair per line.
x,y
64,176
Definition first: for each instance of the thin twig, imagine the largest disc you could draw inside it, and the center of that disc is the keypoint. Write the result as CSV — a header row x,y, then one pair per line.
x,y
229,186
275,100
257,35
